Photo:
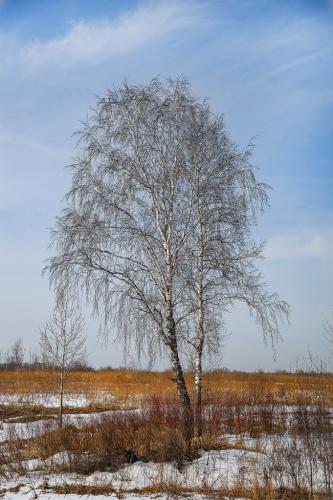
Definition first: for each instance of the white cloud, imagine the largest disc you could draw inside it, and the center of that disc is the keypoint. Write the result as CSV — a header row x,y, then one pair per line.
x,y
93,42
310,245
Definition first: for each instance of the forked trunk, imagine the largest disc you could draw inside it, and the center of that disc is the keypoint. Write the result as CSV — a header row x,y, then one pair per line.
x,y
178,376
179,379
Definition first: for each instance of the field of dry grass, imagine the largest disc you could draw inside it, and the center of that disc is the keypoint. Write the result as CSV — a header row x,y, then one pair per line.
x,y
269,433
137,385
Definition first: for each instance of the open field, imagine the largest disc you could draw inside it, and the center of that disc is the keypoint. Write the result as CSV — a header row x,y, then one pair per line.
x,y
127,386
265,436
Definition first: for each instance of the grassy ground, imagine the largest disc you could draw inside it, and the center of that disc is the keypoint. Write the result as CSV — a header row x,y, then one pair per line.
x,y
243,405
134,385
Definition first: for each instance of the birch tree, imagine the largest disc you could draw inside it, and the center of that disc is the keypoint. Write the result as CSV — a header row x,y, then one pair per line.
x,y
62,343
156,231
122,237
221,266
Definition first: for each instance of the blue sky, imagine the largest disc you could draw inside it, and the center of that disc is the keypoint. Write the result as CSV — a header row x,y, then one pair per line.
x,y
267,65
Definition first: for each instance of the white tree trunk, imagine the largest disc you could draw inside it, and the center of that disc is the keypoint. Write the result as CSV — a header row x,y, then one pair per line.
x,y
61,404
200,338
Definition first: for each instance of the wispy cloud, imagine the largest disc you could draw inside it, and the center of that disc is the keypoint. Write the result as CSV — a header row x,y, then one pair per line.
x,y
95,41
309,245
265,64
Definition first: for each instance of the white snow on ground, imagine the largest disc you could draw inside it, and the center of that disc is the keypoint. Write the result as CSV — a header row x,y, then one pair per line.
x,y
27,430
52,400
28,494
212,469
263,443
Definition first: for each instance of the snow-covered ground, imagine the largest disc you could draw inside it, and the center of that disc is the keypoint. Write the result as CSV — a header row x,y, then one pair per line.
x,y
27,493
80,400
245,459
26,430
258,462
213,469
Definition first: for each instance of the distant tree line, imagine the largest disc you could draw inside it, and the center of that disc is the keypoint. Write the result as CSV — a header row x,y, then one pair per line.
x,y
19,357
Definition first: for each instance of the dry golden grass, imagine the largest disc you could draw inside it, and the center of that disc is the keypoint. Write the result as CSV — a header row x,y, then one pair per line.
x,y
255,492
233,406
135,385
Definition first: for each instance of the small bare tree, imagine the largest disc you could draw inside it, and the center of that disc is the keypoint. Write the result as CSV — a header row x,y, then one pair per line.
x,y
16,355
62,343
314,361
328,326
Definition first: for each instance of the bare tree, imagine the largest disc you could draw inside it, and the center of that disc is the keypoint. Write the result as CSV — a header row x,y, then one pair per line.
x,y
15,357
122,237
328,326
62,343
221,262
316,362
156,231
